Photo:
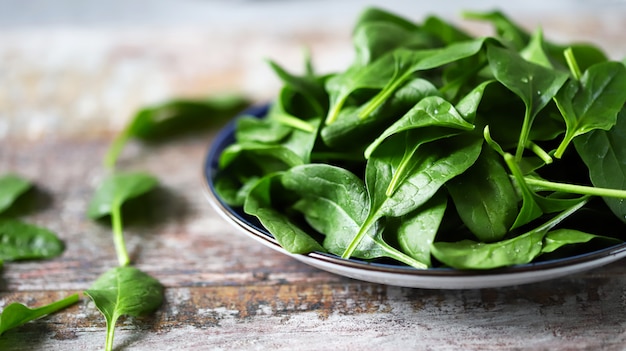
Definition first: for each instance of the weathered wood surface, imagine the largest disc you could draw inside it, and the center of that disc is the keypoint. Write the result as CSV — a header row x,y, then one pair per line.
x,y
226,292
59,108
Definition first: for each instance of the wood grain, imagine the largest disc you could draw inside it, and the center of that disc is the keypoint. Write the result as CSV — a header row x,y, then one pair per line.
x,y
224,291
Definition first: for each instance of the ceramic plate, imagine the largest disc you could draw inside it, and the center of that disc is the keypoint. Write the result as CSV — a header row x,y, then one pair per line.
x,y
435,278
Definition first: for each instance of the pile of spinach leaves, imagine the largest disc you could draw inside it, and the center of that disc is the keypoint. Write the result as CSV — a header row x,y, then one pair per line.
x,y
435,148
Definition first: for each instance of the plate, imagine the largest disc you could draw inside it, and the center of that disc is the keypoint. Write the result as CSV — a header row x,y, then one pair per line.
x,y
397,275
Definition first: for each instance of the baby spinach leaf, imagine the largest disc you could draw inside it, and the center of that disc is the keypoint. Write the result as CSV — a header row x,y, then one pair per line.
x,y
16,314
593,103
116,189
535,51
22,241
407,62
468,105
377,14
349,129
521,249
174,118
261,202
536,85
109,198
506,30
560,237
444,31
428,112
415,232
308,85
485,198
334,201
604,154
124,291
11,187
433,166
341,85
373,40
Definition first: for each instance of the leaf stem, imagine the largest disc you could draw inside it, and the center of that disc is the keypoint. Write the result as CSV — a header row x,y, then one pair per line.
x,y
576,189
294,122
572,63
358,237
333,114
541,153
108,344
523,137
115,149
383,95
118,234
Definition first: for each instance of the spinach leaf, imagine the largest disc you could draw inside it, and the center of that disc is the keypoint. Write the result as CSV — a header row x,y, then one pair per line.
x,y
308,86
11,187
415,232
444,31
604,154
335,202
521,249
373,40
535,51
506,30
349,131
262,202
16,314
535,85
431,168
485,198
124,291
174,118
22,241
428,112
560,237
340,86
109,198
408,62
593,103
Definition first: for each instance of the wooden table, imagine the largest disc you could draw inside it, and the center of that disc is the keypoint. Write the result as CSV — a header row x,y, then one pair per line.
x,y
224,291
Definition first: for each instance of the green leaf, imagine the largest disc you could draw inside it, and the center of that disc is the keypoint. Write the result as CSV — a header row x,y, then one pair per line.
x,y
535,51
521,249
334,202
561,237
173,118
16,314
408,62
485,198
116,189
341,86
262,202
431,111
431,168
124,291
593,103
109,197
373,40
22,241
536,85
415,232
350,131
11,187
506,30
604,154
445,31
308,86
